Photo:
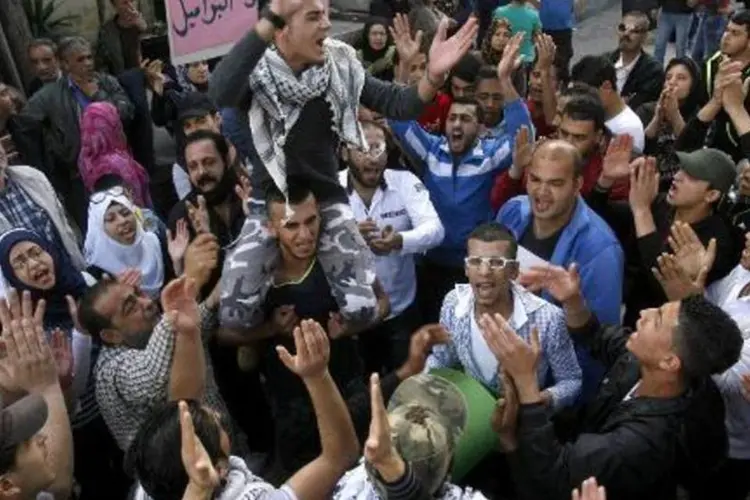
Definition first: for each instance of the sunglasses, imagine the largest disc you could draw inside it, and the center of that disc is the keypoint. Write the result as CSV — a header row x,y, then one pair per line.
x,y
622,28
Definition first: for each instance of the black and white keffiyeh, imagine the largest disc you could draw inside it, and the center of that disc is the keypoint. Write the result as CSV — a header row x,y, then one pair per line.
x,y
279,96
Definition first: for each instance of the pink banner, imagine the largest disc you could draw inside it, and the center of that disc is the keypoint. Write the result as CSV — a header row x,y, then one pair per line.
x,y
203,29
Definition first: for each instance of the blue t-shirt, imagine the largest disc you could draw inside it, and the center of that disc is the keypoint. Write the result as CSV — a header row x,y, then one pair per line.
x,y
522,18
557,15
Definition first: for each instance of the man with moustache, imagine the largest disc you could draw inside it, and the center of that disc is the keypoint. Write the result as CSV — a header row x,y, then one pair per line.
x,y
639,75
397,220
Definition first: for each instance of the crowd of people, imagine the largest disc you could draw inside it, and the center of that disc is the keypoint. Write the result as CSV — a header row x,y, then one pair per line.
x,y
353,238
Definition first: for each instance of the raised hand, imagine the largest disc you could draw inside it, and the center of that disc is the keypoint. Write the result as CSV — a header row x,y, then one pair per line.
x,y
616,164
545,49
388,241
201,258
130,277
420,347
28,364
179,302
644,184
511,59
195,459
590,490
285,8
73,311
177,242
689,252
446,52
518,357
198,215
523,151
336,326
313,351
379,449
407,45
675,281
243,190
563,284
62,353
154,71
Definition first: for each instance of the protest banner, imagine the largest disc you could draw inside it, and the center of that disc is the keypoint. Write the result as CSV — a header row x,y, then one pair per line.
x,y
204,29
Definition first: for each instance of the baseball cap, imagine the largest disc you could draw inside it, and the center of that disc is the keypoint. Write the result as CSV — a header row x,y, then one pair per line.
x,y
194,105
19,422
427,414
710,165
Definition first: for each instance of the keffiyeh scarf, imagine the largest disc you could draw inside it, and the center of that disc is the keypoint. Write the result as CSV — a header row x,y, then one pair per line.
x,y
279,96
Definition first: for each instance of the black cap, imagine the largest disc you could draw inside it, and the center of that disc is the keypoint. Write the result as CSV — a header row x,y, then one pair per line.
x,y
194,105
710,165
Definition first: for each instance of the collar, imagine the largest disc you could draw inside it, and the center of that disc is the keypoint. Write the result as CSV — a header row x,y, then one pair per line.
x,y
525,303
619,64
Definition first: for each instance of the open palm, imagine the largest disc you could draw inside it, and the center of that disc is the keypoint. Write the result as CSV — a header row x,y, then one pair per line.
x,y
446,52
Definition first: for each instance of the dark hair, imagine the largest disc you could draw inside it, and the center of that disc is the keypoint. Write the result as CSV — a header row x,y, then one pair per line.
x,y
155,453
108,181
42,42
467,69
698,96
490,232
219,141
586,108
579,89
91,321
594,71
707,340
489,55
297,191
639,16
742,18
470,101
487,72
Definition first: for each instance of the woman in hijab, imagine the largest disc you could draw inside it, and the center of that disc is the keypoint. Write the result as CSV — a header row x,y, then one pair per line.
x,y
187,78
104,150
377,52
30,263
116,241
682,97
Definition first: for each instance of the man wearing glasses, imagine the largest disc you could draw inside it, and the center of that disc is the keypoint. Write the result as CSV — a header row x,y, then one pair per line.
x,y
639,75
491,267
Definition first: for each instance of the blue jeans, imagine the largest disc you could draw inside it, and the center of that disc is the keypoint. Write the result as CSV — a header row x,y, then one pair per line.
x,y
708,35
669,23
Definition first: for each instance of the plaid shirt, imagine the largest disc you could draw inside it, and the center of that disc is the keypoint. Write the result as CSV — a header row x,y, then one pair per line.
x,y
22,212
131,383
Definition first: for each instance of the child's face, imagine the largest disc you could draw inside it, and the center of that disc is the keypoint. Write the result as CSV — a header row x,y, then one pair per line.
x,y
500,38
417,68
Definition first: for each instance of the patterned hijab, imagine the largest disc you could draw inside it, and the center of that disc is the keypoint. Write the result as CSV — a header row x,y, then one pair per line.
x,y
184,81
68,280
104,150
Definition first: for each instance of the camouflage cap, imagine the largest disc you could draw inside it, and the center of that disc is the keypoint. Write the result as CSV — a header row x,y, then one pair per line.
x,y
427,414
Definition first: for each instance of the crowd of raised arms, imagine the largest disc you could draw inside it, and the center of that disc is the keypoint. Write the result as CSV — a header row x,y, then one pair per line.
x,y
453,260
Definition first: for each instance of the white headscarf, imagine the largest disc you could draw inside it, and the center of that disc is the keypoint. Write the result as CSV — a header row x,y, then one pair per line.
x,y
103,251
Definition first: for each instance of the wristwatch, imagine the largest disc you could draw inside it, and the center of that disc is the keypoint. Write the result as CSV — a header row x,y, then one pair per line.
x,y
275,19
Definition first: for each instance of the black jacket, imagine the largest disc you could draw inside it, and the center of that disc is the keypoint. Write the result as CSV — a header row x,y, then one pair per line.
x,y
632,447
644,82
140,131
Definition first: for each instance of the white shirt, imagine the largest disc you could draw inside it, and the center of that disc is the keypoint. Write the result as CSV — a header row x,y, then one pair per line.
x,y
623,71
725,294
627,122
403,203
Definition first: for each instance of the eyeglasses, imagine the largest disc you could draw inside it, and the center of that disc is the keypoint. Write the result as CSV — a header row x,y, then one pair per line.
x,y
377,150
622,28
21,261
494,263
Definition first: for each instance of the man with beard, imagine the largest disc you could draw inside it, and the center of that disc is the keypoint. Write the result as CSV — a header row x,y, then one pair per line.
x,y
712,125
149,358
639,75
460,170
397,220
